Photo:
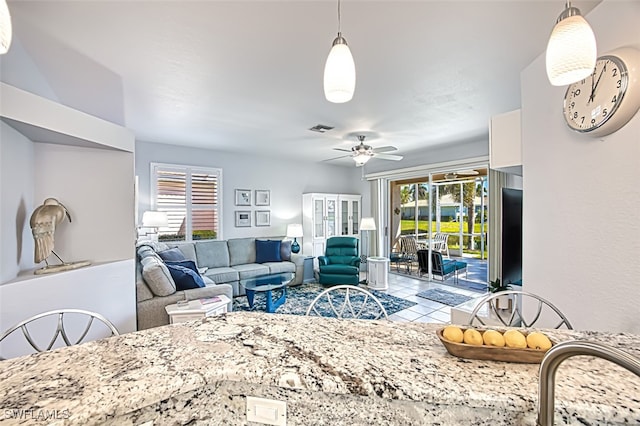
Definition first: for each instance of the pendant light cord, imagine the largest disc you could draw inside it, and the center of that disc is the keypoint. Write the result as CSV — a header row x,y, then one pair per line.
x,y
338,16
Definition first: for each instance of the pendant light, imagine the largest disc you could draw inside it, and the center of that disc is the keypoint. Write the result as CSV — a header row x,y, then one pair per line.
x,y
339,70
5,27
571,52
361,159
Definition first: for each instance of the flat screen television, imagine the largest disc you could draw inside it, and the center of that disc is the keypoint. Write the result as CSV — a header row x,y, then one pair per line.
x,y
512,236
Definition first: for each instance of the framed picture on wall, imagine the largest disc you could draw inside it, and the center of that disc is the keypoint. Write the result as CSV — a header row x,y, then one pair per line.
x,y
243,218
243,197
263,197
263,218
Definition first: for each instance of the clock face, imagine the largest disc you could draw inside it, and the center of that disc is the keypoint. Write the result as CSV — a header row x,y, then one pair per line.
x,y
590,103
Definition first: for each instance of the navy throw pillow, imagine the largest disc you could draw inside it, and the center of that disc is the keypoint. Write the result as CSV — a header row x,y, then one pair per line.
x,y
285,250
185,275
172,255
267,251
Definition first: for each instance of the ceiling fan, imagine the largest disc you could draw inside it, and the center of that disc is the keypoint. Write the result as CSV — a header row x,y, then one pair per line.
x,y
455,175
362,153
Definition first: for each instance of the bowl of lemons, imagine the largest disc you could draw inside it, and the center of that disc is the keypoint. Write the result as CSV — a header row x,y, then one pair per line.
x,y
509,345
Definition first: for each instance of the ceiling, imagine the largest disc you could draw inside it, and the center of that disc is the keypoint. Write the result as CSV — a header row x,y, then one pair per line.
x,y
246,76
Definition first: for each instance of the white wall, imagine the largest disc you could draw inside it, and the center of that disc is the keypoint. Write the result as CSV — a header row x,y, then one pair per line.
x,y
96,186
287,180
105,288
432,155
16,190
581,200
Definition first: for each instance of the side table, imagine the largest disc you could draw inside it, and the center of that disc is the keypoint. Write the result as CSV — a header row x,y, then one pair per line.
x,y
307,275
378,273
195,310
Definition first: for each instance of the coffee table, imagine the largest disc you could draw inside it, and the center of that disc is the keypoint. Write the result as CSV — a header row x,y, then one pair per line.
x,y
267,283
196,309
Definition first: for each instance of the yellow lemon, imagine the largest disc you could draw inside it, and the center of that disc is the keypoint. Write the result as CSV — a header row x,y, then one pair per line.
x,y
452,333
472,337
515,339
493,338
537,340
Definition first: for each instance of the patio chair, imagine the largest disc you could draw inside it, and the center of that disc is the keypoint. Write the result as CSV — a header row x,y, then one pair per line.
x,y
445,268
440,243
516,317
60,329
409,248
346,301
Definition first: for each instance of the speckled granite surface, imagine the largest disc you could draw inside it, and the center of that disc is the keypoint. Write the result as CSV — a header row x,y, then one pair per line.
x,y
329,372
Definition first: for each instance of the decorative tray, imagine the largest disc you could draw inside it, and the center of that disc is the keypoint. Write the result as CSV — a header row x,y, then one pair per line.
x,y
493,353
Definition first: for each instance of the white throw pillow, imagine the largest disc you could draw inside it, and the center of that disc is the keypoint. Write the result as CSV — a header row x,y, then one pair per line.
x,y
157,276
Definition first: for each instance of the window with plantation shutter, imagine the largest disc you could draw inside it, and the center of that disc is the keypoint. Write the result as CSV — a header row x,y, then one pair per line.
x,y
190,197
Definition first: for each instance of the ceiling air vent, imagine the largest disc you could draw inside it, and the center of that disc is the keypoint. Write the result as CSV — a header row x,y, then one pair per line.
x,y
320,128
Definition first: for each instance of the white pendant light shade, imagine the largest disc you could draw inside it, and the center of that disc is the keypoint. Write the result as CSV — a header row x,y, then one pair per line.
x,y
339,73
361,159
571,52
5,27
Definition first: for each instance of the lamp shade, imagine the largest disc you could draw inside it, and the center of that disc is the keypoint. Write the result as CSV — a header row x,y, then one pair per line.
x,y
339,73
361,159
5,27
367,224
294,230
154,219
571,51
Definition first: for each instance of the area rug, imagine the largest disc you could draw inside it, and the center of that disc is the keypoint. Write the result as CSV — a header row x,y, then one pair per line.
x,y
443,296
299,298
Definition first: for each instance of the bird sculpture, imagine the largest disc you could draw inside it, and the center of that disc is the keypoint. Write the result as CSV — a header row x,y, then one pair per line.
x,y
44,221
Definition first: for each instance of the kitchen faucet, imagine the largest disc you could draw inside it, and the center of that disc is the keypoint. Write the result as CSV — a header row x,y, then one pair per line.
x,y
564,350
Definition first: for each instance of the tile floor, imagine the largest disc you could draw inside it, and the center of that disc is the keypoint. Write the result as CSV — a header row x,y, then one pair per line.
x,y
426,310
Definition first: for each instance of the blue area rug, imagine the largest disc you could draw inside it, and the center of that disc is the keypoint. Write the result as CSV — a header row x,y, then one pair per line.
x,y
443,296
299,298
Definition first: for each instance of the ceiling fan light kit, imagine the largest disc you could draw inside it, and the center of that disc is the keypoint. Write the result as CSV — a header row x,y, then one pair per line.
x,y
5,27
362,158
571,51
339,70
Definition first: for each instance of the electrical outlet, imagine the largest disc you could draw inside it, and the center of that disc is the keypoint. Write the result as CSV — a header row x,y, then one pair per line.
x,y
266,411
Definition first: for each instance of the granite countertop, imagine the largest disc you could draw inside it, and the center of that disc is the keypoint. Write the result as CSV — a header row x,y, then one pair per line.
x,y
329,371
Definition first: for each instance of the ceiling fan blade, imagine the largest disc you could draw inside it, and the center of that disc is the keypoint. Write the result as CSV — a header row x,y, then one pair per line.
x,y
468,173
388,157
388,148
337,158
342,149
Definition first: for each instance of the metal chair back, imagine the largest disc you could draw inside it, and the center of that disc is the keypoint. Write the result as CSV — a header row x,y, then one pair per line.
x,y
61,330
347,301
516,317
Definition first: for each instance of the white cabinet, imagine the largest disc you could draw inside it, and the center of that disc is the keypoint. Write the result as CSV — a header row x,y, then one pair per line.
x,y
328,215
350,215
505,143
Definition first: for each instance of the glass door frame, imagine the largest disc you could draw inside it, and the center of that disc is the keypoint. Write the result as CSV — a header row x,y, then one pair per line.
x,y
386,209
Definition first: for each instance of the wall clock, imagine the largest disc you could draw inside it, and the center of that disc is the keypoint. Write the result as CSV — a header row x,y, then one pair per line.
x,y
609,98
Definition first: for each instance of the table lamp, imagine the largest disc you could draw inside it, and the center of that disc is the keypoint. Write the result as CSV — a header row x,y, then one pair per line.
x,y
294,230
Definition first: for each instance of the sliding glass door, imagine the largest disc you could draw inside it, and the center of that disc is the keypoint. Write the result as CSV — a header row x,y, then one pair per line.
x,y
445,204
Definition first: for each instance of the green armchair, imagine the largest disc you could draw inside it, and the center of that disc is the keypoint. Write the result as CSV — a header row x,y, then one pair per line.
x,y
341,262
